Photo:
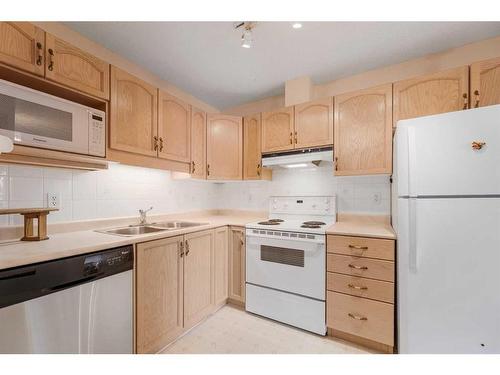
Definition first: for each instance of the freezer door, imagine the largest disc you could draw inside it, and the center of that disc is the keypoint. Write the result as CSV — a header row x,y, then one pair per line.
x,y
440,158
448,279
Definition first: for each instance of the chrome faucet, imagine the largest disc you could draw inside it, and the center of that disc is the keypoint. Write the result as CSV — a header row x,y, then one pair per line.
x,y
142,218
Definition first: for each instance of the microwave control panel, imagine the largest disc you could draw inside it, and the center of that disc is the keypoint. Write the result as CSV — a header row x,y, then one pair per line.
x,y
97,134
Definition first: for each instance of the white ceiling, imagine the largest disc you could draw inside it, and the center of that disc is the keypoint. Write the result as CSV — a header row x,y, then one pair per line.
x,y
206,60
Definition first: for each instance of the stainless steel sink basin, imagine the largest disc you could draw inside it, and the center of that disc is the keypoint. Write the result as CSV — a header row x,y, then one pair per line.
x,y
177,224
133,231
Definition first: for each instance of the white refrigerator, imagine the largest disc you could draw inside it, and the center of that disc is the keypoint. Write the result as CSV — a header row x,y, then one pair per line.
x,y
446,213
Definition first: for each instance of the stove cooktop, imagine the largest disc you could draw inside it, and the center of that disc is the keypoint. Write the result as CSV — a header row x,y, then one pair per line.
x,y
292,225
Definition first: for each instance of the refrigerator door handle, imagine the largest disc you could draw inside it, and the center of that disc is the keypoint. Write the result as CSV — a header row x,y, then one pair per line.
x,y
412,234
412,162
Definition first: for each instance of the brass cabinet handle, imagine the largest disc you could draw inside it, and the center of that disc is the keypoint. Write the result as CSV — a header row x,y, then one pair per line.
x,y
39,57
155,144
336,160
208,169
476,94
291,138
357,287
358,267
192,167
295,137
357,317
466,101
187,247
358,247
161,144
181,246
476,145
258,169
51,60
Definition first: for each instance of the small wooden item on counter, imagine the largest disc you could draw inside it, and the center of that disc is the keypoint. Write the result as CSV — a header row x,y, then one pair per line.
x,y
30,214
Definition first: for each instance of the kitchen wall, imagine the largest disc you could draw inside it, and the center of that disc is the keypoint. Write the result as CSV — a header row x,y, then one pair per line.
x,y
358,194
119,191
122,190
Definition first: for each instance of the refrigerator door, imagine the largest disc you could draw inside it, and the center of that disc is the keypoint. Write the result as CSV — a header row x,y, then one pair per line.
x,y
448,279
456,153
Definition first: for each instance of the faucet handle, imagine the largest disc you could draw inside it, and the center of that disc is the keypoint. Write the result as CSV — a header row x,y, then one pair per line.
x,y
144,211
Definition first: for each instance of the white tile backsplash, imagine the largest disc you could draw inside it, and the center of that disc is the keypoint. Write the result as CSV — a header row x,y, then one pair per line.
x,y
122,190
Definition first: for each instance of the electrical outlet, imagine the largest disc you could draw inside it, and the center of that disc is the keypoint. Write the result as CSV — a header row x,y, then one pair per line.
x,y
54,200
377,197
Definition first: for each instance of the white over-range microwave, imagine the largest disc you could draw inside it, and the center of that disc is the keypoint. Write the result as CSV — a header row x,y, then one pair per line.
x,y
33,118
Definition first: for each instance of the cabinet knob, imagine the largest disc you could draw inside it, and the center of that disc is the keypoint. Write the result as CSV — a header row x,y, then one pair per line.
x,y
161,144
51,59
291,138
476,94
363,268
192,167
476,145
39,53
258,169
208,169
155,143
357,317
466,100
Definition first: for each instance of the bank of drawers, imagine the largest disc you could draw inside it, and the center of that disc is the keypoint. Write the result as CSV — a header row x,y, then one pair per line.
x,y
360,287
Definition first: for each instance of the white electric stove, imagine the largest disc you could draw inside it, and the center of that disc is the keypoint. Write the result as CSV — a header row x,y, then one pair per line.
x,y
286,261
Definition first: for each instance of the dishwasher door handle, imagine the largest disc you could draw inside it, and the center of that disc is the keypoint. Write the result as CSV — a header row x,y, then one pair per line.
x,y
24,273
71,283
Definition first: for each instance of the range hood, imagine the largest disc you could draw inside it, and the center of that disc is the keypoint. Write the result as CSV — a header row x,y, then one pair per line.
x,y
312,157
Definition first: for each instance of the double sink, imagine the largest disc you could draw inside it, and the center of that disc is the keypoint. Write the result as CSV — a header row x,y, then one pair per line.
x,y
135,230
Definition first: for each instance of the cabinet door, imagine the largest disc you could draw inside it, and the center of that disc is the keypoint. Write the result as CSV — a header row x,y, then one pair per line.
x,y
252,167
224,147
363,132
277,130
198,276
133,123
237,264
198,143
314,123
159,293
22,46
485,83
221,264
72,67
174,128
432,94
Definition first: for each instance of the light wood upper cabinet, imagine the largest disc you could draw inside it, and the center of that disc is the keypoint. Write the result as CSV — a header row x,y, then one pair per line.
x,y
198,143
252,167
363,132
198,276
224,147
174,128
485,83
221,263
432,94
22,45
278,130
237,263
314,123
75,68
134,110
159,283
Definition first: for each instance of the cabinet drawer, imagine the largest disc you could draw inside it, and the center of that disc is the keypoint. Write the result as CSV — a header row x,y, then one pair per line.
x,y
360,287
361,317
361,247
364,267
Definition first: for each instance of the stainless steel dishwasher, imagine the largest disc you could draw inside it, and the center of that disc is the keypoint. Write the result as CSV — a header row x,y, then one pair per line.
x,y
79,304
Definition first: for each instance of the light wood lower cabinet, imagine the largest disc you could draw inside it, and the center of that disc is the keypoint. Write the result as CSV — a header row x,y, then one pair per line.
x,y
363,132
360,290
72,67
179,281
224,147
485,83
133,126
237,263
198,276
432,94
160,293
22,46
221,265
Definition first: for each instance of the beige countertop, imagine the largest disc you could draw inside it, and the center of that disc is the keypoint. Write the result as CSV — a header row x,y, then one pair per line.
x,y
14,253
363,226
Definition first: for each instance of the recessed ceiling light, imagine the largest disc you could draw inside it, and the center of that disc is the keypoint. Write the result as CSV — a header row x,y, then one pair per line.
x,y
296,25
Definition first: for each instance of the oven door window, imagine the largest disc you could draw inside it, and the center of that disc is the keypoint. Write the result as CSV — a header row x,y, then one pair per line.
x,y
30,118
290,257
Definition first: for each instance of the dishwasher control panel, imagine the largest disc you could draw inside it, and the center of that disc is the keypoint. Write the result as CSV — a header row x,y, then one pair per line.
x,y
109,261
